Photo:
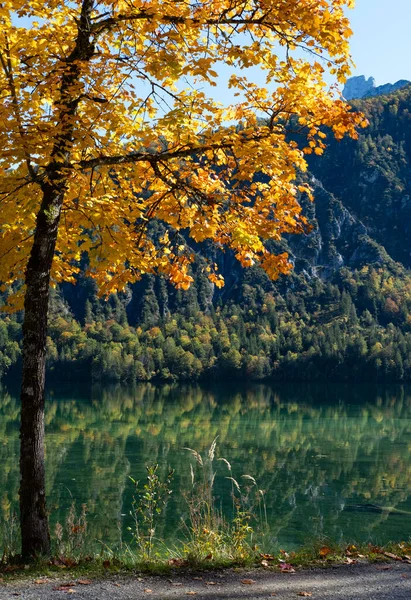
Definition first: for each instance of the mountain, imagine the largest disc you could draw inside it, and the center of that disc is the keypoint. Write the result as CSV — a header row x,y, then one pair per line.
x,y
343,314
360,87
372,176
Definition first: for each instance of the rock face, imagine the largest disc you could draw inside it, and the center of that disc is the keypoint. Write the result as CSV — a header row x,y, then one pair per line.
x,y
360,87
338,238
371,176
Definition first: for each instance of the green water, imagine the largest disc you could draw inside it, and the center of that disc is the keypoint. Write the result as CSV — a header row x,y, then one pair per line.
x,y
314,450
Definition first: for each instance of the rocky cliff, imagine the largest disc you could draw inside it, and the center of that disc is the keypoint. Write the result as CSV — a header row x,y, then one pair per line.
x,y
360,87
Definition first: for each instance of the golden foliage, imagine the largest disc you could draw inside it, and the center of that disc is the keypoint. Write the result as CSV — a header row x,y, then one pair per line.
x,y
108,98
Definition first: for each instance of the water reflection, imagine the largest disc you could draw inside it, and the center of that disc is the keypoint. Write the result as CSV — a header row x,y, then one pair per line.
x,y
315,450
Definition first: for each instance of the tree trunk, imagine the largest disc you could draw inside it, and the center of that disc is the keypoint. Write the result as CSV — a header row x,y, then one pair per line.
x,y
33,513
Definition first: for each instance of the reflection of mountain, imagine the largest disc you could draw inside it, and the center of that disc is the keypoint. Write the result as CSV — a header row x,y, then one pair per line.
x,y
310,451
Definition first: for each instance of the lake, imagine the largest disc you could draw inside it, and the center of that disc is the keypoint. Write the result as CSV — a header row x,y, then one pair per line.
x,y
329,459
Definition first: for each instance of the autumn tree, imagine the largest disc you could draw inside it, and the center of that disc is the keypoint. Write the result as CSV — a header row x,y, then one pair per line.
x,y
105,125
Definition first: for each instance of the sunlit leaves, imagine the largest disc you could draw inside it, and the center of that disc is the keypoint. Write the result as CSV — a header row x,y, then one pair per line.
x,y
138,137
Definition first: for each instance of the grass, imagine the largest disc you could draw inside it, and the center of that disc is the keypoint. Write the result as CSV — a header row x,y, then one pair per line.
x,y
98,567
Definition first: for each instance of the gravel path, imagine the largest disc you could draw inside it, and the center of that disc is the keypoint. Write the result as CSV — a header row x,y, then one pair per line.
x,y
353,582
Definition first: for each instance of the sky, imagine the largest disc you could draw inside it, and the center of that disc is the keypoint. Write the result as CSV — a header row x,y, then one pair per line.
x,y
381,45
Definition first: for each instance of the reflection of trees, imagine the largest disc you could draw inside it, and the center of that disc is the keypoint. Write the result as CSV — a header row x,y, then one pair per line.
x,y
307,448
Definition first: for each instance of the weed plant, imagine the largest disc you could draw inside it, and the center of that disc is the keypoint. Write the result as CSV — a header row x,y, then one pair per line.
x,y
149,502
10,535
208,532
71,538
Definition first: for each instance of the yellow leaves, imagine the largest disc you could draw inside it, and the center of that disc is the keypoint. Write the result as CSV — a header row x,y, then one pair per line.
x,y
305,189
218,280
179,277
202,230
224,173
275,265
241,237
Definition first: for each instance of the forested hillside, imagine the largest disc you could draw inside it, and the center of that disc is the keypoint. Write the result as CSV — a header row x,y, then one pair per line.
x,y
344,313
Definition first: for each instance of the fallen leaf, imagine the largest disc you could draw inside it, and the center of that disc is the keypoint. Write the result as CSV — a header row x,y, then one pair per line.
x,y
247,581
84,582
264,563
56,563
140,579
191,593
176,583
324,551
267,556
64,588
39,581
177,562
148,591
350,561
209,557
286,568
67,562
211,583
197,578
391,555
404,575
307,594
407,556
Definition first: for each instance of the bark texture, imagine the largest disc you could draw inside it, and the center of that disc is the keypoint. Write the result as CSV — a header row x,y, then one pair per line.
x,y
33,513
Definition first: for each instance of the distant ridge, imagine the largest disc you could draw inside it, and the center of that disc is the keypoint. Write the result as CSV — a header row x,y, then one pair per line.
x,y
360,87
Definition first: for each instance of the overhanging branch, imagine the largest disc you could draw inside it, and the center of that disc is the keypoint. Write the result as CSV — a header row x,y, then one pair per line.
x,y
134,157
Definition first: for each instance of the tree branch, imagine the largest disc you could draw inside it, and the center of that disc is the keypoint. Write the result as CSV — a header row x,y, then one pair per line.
x,y
109,23
8,72
134,157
